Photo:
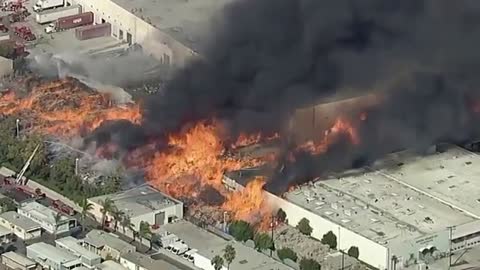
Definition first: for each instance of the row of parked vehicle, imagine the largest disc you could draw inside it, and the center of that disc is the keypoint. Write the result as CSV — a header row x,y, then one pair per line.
x,y
177,246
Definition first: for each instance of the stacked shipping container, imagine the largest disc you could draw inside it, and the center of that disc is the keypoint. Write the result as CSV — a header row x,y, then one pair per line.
x,y
73,21
93,31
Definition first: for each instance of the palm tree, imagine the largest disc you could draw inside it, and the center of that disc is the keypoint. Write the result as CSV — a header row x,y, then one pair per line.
x,y
86,207
57,217
144,231
117,216
217,262
126,223
229,255
107,207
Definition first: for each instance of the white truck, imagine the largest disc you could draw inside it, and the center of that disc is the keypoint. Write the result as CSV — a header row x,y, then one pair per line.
x,y
51,15
179,248
47,4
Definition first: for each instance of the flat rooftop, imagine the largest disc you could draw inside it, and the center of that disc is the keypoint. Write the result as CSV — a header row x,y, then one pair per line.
x,y
20,221
110,265
186,21
99,238
73,245
148,263
139,200
18,258
404,195
52,253
209,245
41,212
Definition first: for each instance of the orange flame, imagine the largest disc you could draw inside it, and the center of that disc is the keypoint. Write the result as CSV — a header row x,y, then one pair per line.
x,y
341,126
65,108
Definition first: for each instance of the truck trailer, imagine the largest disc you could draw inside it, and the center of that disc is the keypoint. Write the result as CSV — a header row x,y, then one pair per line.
x,y
41,5
70,22
55,14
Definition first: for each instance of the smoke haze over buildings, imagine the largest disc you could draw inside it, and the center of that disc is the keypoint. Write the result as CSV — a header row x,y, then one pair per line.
x,y
268,57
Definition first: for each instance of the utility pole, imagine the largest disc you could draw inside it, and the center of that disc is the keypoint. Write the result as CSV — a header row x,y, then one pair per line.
x,y
76,165
17,126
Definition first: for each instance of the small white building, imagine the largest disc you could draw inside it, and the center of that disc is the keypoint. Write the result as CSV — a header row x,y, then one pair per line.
x,y
51,257
46,217
88,258
14,260
106,244
21,226
6,235
142,203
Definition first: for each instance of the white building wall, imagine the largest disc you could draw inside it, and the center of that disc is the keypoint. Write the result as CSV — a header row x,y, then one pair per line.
x,y
155,42
203,262
371,252
21,233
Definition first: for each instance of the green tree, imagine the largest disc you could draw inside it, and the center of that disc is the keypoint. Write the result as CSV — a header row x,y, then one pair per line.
x,y
217,262
107,207
329,239
304,226
353,252
86,207
263,241
145,232
241,230
58,218
7,205
117,216
309,264
126,223
229,255
281,215
287,253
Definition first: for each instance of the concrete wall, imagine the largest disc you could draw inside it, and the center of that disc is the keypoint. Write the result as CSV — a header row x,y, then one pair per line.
x,y
203,262
370,252
155,42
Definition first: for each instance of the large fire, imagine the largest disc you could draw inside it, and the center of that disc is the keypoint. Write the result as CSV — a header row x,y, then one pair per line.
x,y
195,159
65,108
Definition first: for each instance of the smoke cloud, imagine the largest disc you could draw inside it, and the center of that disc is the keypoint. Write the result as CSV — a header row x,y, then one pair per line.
x,y
268,57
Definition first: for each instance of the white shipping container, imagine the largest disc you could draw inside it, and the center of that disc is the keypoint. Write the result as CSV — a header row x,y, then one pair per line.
x,y
54,14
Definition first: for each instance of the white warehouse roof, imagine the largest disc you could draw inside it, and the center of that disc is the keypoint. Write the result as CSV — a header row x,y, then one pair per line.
x,y
186,21
403,196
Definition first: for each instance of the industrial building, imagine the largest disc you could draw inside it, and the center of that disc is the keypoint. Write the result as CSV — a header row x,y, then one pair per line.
x,y
142,203
172,31
402,210
21,226
207,245
88,258
106,244
46,217
51,257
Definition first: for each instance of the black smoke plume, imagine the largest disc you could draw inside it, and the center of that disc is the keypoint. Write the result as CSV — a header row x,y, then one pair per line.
x,y
268,57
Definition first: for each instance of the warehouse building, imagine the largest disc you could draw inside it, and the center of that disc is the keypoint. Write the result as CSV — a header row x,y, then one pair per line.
x,y
142,203
46,217
172,31
403,210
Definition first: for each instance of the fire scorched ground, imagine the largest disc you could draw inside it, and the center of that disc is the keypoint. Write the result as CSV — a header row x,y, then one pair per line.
x,y
190,168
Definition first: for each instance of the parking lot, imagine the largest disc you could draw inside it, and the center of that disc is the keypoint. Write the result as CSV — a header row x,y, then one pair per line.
x,y
63,41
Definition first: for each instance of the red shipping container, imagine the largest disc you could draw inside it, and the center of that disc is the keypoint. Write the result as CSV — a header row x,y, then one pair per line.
x,y
93,31
73,21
